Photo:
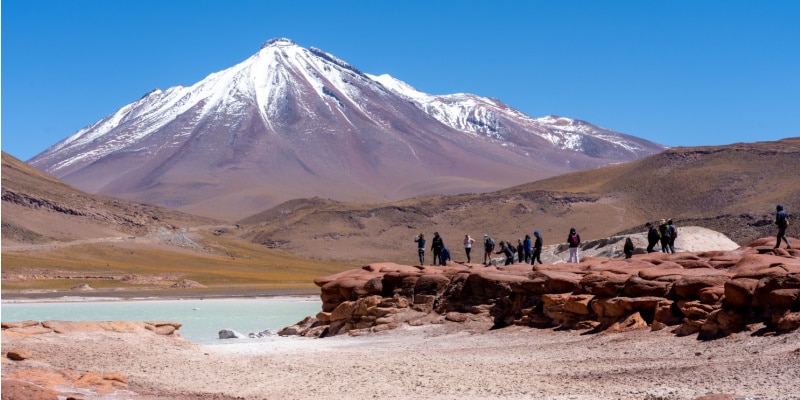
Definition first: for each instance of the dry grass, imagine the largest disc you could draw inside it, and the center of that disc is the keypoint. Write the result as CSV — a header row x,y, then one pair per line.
x,y
224,264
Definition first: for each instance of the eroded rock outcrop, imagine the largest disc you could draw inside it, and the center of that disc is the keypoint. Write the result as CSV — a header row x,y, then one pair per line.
x,y
27,376
710,294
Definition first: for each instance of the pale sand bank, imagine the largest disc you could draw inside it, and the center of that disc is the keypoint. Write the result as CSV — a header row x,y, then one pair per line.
x,y
435,362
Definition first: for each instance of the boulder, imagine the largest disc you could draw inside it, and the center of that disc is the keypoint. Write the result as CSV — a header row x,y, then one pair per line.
x,y
230,334
19,354
739,292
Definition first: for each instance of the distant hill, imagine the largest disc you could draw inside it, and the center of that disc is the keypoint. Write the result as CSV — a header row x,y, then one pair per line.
x,y
57,237
38,208
731,189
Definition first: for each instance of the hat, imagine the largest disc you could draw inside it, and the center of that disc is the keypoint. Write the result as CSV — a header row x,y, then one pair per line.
x,y
536,233
648,224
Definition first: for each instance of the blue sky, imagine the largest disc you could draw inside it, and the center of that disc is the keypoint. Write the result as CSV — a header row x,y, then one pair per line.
x,y
679,73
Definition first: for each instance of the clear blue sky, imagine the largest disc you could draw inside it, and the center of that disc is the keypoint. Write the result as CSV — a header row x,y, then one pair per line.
x,y
680,73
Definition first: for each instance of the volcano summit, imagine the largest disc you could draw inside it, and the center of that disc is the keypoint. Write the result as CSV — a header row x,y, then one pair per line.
x,y
291,122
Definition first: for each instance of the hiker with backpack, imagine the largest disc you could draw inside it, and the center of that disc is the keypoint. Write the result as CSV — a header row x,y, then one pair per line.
x,y
673,234
437,244
488,248
508,251
537,249
782,220
420,240
663,232
573,240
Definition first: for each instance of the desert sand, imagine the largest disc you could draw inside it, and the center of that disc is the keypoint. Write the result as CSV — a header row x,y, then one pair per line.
x,y
442,361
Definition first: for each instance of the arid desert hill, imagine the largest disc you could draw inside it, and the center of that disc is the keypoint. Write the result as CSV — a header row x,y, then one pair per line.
x,y
57,237
732,189
38,208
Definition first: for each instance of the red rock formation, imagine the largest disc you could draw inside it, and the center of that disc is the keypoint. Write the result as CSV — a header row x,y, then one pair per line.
x,y
710,294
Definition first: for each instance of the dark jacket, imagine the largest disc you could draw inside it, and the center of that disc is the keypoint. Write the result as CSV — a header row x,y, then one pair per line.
x,y
507,250
781,219
652,235
437,243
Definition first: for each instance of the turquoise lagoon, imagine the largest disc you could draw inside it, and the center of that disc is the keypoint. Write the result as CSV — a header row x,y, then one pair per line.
x,y
202,319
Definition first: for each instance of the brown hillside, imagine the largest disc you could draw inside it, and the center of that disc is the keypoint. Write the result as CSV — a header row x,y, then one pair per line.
x,y
38,208
732,189
57,237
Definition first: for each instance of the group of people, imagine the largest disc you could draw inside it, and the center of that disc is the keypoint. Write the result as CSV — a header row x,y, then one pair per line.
x,y
529,250
666,233
441,254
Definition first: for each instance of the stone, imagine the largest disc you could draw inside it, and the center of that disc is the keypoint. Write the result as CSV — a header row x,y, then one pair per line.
x,y
19,354
578,304
739,291
230,334
789,321
627,324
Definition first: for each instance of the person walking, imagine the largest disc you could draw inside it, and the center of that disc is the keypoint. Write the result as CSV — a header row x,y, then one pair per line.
x,y
573,240
437,244
508,251
488,248
420,239
663,232
782,220
520,251
468,241
527,249
652,237
537,249
673,234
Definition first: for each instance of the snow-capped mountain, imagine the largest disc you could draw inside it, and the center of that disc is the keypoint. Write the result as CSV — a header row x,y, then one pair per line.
x,y
293,122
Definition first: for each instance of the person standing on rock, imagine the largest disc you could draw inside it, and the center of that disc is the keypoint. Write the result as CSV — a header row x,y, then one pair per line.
x,y
663,232
420,239
488,248
537,249
508,251
527,249
468,241
573,240
520,250
673,234
652,237
782,220
437,244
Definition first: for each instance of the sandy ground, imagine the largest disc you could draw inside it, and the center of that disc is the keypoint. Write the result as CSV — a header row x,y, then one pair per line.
x,y
447,361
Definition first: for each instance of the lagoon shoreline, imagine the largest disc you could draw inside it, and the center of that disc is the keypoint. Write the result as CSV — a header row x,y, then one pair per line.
x,y
53,296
